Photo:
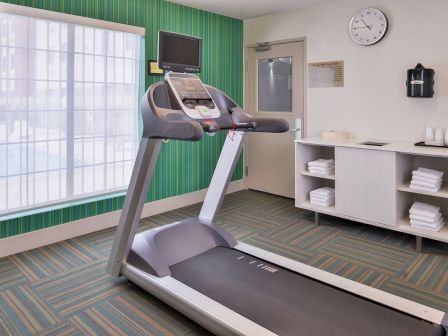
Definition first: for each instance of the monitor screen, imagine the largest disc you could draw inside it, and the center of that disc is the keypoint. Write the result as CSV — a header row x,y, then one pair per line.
x,y
179,53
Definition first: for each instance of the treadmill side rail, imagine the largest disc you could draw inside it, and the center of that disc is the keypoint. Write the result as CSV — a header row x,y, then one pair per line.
x,y
445,323
389,300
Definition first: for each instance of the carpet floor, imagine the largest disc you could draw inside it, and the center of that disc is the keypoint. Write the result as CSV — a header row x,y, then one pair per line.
x,y
62,289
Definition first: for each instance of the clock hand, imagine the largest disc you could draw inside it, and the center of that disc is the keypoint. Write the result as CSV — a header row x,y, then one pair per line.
x,y
366,24
360,27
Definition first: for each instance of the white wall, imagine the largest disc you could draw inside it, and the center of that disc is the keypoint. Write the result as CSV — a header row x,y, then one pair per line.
x,y
373,103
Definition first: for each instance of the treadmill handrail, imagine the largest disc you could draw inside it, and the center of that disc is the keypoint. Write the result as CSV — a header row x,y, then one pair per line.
x,y
163,118
211,128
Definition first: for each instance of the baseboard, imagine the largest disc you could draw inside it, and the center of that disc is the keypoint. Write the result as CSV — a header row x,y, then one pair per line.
x,y
39,238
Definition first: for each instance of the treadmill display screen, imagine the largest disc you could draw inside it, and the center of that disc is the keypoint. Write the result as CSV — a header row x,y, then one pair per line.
x,y
189,88
192,96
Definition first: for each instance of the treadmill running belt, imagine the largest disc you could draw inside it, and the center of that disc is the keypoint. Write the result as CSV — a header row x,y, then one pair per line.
x,y
288,303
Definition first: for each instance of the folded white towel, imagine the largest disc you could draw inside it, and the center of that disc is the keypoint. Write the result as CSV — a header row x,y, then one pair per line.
x,y
424,210
325,191
437,228
426,184
428,173
321,172
330,199
320,168
324,204
430,221
420,188
321,199
425,206
417,174
426,179
423,214
424,224
322,163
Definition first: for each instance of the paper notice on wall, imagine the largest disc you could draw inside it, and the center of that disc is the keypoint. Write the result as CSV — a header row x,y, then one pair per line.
x,y
326,74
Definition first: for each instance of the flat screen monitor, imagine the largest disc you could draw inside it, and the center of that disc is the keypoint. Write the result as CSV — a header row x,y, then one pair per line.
x,y
179,53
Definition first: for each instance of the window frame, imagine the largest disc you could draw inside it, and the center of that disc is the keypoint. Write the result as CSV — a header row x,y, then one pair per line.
x,y
69,18
74,20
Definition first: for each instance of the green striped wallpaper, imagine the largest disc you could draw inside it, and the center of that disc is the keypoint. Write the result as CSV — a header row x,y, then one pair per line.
x,y
182,167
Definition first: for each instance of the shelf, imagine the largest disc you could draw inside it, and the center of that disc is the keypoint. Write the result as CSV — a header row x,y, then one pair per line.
x,y
386,209
405,226
327,177
326,210
442,193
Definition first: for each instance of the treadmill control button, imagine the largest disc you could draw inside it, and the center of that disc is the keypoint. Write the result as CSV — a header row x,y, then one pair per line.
x,y
203,110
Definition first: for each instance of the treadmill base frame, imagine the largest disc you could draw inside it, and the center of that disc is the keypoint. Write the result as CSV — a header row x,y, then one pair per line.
x,y
223,321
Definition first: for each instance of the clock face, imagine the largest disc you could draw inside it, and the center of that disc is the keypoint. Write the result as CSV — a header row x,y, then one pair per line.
x,y
368,27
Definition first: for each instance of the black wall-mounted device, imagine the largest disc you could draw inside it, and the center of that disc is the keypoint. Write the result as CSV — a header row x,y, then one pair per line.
x,y
179,52
420,82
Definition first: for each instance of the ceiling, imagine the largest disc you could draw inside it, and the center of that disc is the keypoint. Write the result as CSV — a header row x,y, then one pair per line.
x,y
245,9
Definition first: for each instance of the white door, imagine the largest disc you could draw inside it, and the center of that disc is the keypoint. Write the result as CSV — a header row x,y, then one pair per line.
x,y
274,88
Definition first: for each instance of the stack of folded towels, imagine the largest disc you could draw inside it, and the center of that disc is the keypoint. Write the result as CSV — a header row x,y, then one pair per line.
x,y
321,167
322,197
425,216
426,180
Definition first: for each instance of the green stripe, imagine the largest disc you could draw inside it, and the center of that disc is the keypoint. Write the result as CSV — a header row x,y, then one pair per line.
x,y
182,167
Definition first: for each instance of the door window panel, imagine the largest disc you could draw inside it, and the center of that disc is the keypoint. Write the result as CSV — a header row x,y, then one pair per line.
x,y
274,84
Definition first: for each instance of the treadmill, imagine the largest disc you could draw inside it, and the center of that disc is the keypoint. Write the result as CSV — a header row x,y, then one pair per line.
x,y
229,287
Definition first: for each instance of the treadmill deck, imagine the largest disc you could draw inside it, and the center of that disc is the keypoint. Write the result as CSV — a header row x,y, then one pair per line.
x,y
288,303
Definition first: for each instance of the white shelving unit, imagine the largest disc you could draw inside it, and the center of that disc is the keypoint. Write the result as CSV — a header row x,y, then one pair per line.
x,y
330,210
328,177
405,226
309,181
443,193
372,183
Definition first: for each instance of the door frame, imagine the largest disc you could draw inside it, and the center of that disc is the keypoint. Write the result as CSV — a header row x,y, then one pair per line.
x,y
246,88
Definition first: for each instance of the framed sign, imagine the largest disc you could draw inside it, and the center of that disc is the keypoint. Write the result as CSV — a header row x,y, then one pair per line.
x,y
153,68
326,74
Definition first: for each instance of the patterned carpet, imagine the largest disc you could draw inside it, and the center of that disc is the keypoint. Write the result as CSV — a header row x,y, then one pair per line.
x,y
62,289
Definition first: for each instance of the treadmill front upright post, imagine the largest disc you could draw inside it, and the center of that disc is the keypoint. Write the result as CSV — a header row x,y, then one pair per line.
x,y
225,167
145,163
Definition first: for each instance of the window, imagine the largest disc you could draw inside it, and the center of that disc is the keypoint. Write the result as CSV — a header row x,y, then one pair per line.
x,y
68,110
274,84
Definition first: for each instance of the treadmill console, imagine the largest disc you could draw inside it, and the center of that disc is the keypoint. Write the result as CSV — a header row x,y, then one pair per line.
x,y
192,96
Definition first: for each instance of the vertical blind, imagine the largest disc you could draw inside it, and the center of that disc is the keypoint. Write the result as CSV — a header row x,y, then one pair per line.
x,y
68,110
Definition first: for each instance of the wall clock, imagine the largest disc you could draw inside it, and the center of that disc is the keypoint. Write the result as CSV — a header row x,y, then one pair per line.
x,y
368,26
